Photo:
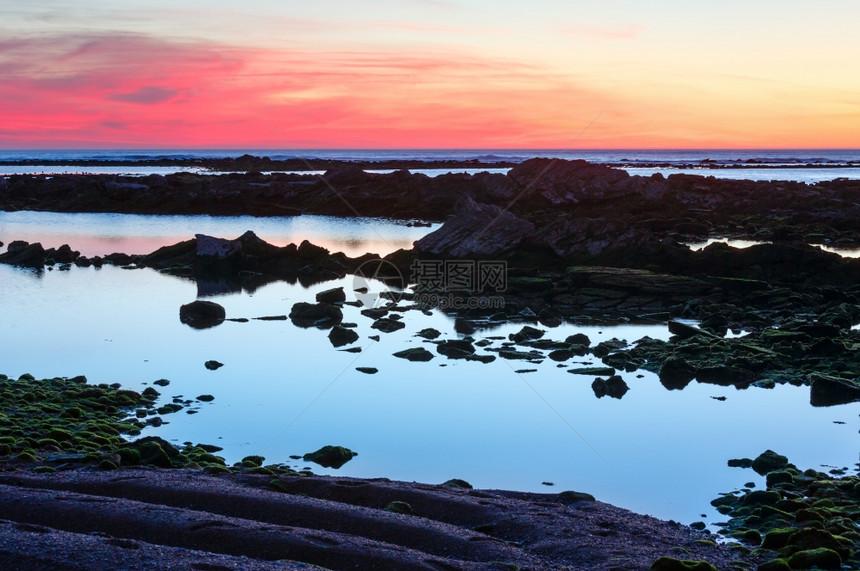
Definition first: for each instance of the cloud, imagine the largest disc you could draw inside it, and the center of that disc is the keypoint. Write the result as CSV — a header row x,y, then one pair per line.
x,y
147,95
132,89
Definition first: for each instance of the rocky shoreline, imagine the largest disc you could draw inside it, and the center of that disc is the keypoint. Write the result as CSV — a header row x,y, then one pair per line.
x,y
579,243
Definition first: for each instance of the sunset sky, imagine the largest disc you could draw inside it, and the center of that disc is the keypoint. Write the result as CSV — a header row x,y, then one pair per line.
x,y
429,74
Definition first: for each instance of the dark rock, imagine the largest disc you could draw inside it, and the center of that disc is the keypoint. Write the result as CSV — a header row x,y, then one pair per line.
x,y
367,370
608,371
205,398
464,326
213,365
561,355
476,230
23,254
740,463
388,324
768,461
457,483
330,456
527,333
315,314
202,314
334,295
415,354
481,358
455,348
820,558
428,333
614,387
340,336
830,391
578,339
676,373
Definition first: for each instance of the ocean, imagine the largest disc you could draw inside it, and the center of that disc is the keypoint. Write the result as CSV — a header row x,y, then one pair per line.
x,y
806,165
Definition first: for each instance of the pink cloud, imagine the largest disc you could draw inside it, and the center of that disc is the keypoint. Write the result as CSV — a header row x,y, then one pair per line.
x,y
137,90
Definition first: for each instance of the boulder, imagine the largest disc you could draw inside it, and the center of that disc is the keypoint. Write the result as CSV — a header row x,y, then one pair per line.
x,y
333,295
202,314
305,314
676,373
614,387
340,336
825,390
455,348
330,456
22,254
415,354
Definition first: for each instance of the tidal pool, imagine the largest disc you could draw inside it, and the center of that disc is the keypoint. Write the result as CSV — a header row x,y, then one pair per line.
x,y
284,390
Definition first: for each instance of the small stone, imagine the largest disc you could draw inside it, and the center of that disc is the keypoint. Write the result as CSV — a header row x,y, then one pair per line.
x,y
211,365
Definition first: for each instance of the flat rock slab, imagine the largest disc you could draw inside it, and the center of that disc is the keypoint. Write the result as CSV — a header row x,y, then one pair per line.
x,y
145,518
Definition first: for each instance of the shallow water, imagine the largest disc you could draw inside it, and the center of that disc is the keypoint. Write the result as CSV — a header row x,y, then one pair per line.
x,y
100,234
741,244
285,390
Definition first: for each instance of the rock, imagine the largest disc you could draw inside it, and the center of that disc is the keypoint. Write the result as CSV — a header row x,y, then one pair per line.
x,y
614,387
676,373
578,339
607,371
334,295
399,508
527,333
23,254
464,326
205,398
455,348
458,483
519,355
340,336
774,565
367,370
481,358
388,324
769,461
740,463
830,391
821,558
415,354
202,314
428,333
561,355
213,365
330,456
685,331
571,497
315,314
476,230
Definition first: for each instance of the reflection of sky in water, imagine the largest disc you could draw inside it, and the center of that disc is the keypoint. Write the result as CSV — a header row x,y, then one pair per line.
x,y
807,175
695,246
661,452
100,234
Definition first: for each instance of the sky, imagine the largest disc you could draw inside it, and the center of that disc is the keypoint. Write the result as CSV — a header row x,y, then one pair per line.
x,y
429,74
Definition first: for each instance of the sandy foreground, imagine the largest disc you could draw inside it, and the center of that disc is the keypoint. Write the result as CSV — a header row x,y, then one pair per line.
x,y
141,518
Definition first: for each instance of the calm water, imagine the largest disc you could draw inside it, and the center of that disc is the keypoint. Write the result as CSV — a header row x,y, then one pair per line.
x,y
100,234
285,390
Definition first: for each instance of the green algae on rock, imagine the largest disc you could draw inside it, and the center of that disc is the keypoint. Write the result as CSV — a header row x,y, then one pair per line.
x,y
330,456
803,520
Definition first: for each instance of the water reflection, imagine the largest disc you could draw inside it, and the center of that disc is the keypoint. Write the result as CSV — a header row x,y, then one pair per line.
x,y
653,451
101,234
